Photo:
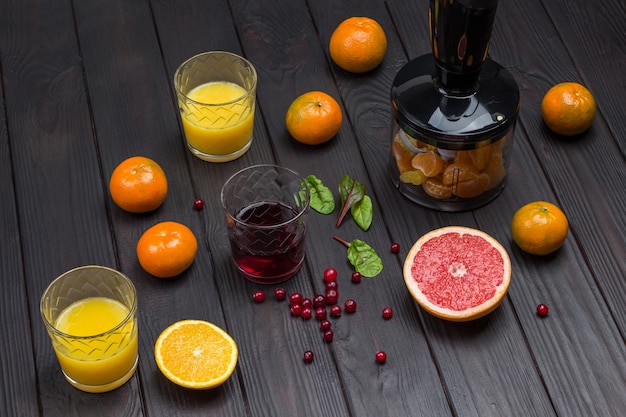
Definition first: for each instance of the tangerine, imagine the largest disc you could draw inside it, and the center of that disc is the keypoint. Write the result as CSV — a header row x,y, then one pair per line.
x,y
457,273
196,354
430,163
568,108
167,249
313,118
539,228
138,185
358,44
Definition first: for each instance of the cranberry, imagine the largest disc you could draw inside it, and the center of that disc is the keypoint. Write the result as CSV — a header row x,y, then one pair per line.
x,y
198,204
350,306
306,302
306,313
356,277
325,325
328,336
542,310
296,309
381,356
280,293
295,298
319,301
332,285
387,313
330,274
395,247
320,313
258,296
335,311
308,356
332,296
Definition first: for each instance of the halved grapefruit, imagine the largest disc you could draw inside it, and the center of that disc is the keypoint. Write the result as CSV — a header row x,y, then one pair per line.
x,y
457,273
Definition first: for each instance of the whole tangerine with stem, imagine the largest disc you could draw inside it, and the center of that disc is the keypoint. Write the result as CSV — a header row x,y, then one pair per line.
x,y
358,44
539,228
138,185
568,108
167,249
313,118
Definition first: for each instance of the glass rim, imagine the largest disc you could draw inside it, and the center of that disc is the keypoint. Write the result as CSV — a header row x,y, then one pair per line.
x,y
126,319
301,210
249,90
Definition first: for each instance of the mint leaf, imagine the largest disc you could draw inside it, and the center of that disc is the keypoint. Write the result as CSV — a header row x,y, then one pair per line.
x,y
322,199
362,212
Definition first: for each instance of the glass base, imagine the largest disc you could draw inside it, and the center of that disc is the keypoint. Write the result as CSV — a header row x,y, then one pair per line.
x,y
220,158
273,279
104,387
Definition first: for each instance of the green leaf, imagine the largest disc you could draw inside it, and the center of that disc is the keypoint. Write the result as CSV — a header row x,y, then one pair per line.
x,y
364,258
322,199
362,212
351,192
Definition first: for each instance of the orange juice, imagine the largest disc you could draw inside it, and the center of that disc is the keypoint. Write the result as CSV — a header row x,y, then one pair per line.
x,y
221,121
96,355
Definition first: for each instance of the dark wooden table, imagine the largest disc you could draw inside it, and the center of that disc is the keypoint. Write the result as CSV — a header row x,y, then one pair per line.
x,y
86,84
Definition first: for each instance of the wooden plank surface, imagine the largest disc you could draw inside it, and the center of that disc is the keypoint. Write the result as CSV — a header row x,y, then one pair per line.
x,y
86,84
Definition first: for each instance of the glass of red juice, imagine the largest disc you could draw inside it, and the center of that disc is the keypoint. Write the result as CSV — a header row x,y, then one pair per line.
x,y
266,209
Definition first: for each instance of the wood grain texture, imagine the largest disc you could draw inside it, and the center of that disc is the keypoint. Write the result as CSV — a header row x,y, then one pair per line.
x,y
86,84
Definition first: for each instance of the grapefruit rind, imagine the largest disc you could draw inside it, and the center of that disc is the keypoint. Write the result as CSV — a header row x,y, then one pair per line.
x,y
449,314
197,385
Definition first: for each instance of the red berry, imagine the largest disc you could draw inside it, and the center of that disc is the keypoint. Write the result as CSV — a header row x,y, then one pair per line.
x,y
332,285
330,274
387,313
356,277
308,356
332,296
306,302
280,293
306,313
395,247
258,296
296,309
325,325
350,306
320,313
198,204
295,298
335,311
381,356
542,310
328,336
319,301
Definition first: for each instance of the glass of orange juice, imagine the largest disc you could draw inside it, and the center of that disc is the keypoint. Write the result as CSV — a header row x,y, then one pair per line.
x,y
89,313
216,96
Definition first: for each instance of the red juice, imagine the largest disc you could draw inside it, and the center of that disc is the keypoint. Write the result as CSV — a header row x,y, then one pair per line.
x,y
267,241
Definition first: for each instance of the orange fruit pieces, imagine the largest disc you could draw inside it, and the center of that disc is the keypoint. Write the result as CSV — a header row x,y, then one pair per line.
x,y
465,180
539,228
430,163
457,273
167,249
313,118
568,108
358,44
138,185
196,354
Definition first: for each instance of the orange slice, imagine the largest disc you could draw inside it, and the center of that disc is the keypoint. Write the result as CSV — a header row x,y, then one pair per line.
x,y
196,354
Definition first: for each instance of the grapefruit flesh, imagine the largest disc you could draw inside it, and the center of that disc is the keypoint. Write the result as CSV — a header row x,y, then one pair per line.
x,y
457,273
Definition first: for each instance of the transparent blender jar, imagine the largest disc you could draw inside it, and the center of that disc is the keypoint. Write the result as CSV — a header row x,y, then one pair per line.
x,y
454,117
